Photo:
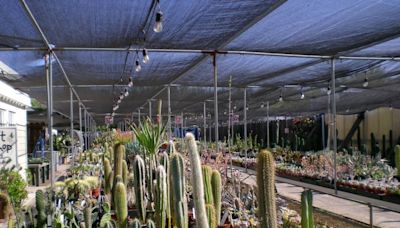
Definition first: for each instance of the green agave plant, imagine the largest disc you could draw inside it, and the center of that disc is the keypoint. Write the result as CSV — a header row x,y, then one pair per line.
x,y
149,135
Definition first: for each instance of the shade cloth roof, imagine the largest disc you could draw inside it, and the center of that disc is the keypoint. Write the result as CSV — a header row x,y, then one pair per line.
x,y
91,40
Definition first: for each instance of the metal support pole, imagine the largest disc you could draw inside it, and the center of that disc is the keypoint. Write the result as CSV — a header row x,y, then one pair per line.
x,y
80,117
71,109
371,215
268,136
182,136
49,79
334,124
229,118
139,116
150,109
245,123
323,130
216,102
205,125
169,113
85,128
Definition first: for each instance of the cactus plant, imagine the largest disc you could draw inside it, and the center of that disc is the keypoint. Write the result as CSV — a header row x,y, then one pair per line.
x,y
198,188
208,194
139,175
41,210
177,186
125,173
118,159
266,189
161,197
397,158
210,210
216,189
150,224
121,206
107,175
135,224
87,214
307,219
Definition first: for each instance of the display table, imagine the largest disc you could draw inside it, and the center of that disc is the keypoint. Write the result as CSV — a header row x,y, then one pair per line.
x,y
40,173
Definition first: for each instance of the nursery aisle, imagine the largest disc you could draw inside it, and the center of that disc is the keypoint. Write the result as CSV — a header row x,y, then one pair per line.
x,y
30,200
341,207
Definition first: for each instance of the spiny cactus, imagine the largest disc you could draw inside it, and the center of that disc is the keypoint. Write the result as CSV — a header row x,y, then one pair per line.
x,y
397,158
150,224
307,219
107,176
139,175
266,189
87,214
41,210
179,208
118,159
208,194
135,224
197,177
121,206
125,173
111,151
210,210
216,189
161,197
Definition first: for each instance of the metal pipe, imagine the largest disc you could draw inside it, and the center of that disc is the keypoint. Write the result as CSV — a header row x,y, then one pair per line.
x,y
268,145
71,109
49,80
216,101
169,113
323,130
85,128
150,114
139,116
245,123
80,117
182,136
334,123
205,124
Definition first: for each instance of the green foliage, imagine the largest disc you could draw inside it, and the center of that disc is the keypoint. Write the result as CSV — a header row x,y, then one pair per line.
x,y
149,135
307,219
266,189
12,183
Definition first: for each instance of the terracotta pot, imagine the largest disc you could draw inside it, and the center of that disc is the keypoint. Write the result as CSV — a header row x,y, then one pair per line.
x,y
96,193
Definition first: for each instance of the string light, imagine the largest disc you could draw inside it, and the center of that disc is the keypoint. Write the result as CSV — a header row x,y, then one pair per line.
x,y
115,107
328,90
119,101
365,84
130,82
158,26
138,67
126,93
145,56
302,94
262,105
121,96
281,96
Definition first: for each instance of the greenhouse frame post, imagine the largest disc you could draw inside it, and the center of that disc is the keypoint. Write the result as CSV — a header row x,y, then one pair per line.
x,y
49,79
205,124
85,128
323,130
182,136
138,116
169,113
229,127
80,116
71,109
245,124
268,146
150,109
334,125
216,101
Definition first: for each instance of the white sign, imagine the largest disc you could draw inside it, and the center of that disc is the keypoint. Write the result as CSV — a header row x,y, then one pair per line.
x,y
8,146
235,118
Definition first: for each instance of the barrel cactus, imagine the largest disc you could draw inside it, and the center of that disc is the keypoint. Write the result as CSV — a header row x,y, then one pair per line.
x,y
307,219
266,189
197,183
179,208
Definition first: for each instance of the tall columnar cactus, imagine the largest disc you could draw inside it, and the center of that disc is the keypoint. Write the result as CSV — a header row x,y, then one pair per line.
x,y
307,219
397,158
121,206
216,189
150,224
139,175
210,210
161,197
266,189
41,210
118,159
208,194
87,215
197,177
135,224
125,172
111,151
178,200
107,176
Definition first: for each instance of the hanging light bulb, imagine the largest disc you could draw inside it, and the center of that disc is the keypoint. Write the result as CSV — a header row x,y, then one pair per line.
x,y
121,96
280,98
126,93
119,101
247,108
302,95
234,107
328,90
158,26
113,114
130,82
224,112
365,84
138,67
262,105
115,107
145,56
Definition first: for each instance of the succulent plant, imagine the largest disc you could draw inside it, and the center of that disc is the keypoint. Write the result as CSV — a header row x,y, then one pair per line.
x,y
208,194
216,189
135,224
161,197
120,200
178,200
139,175
210,210
307,219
